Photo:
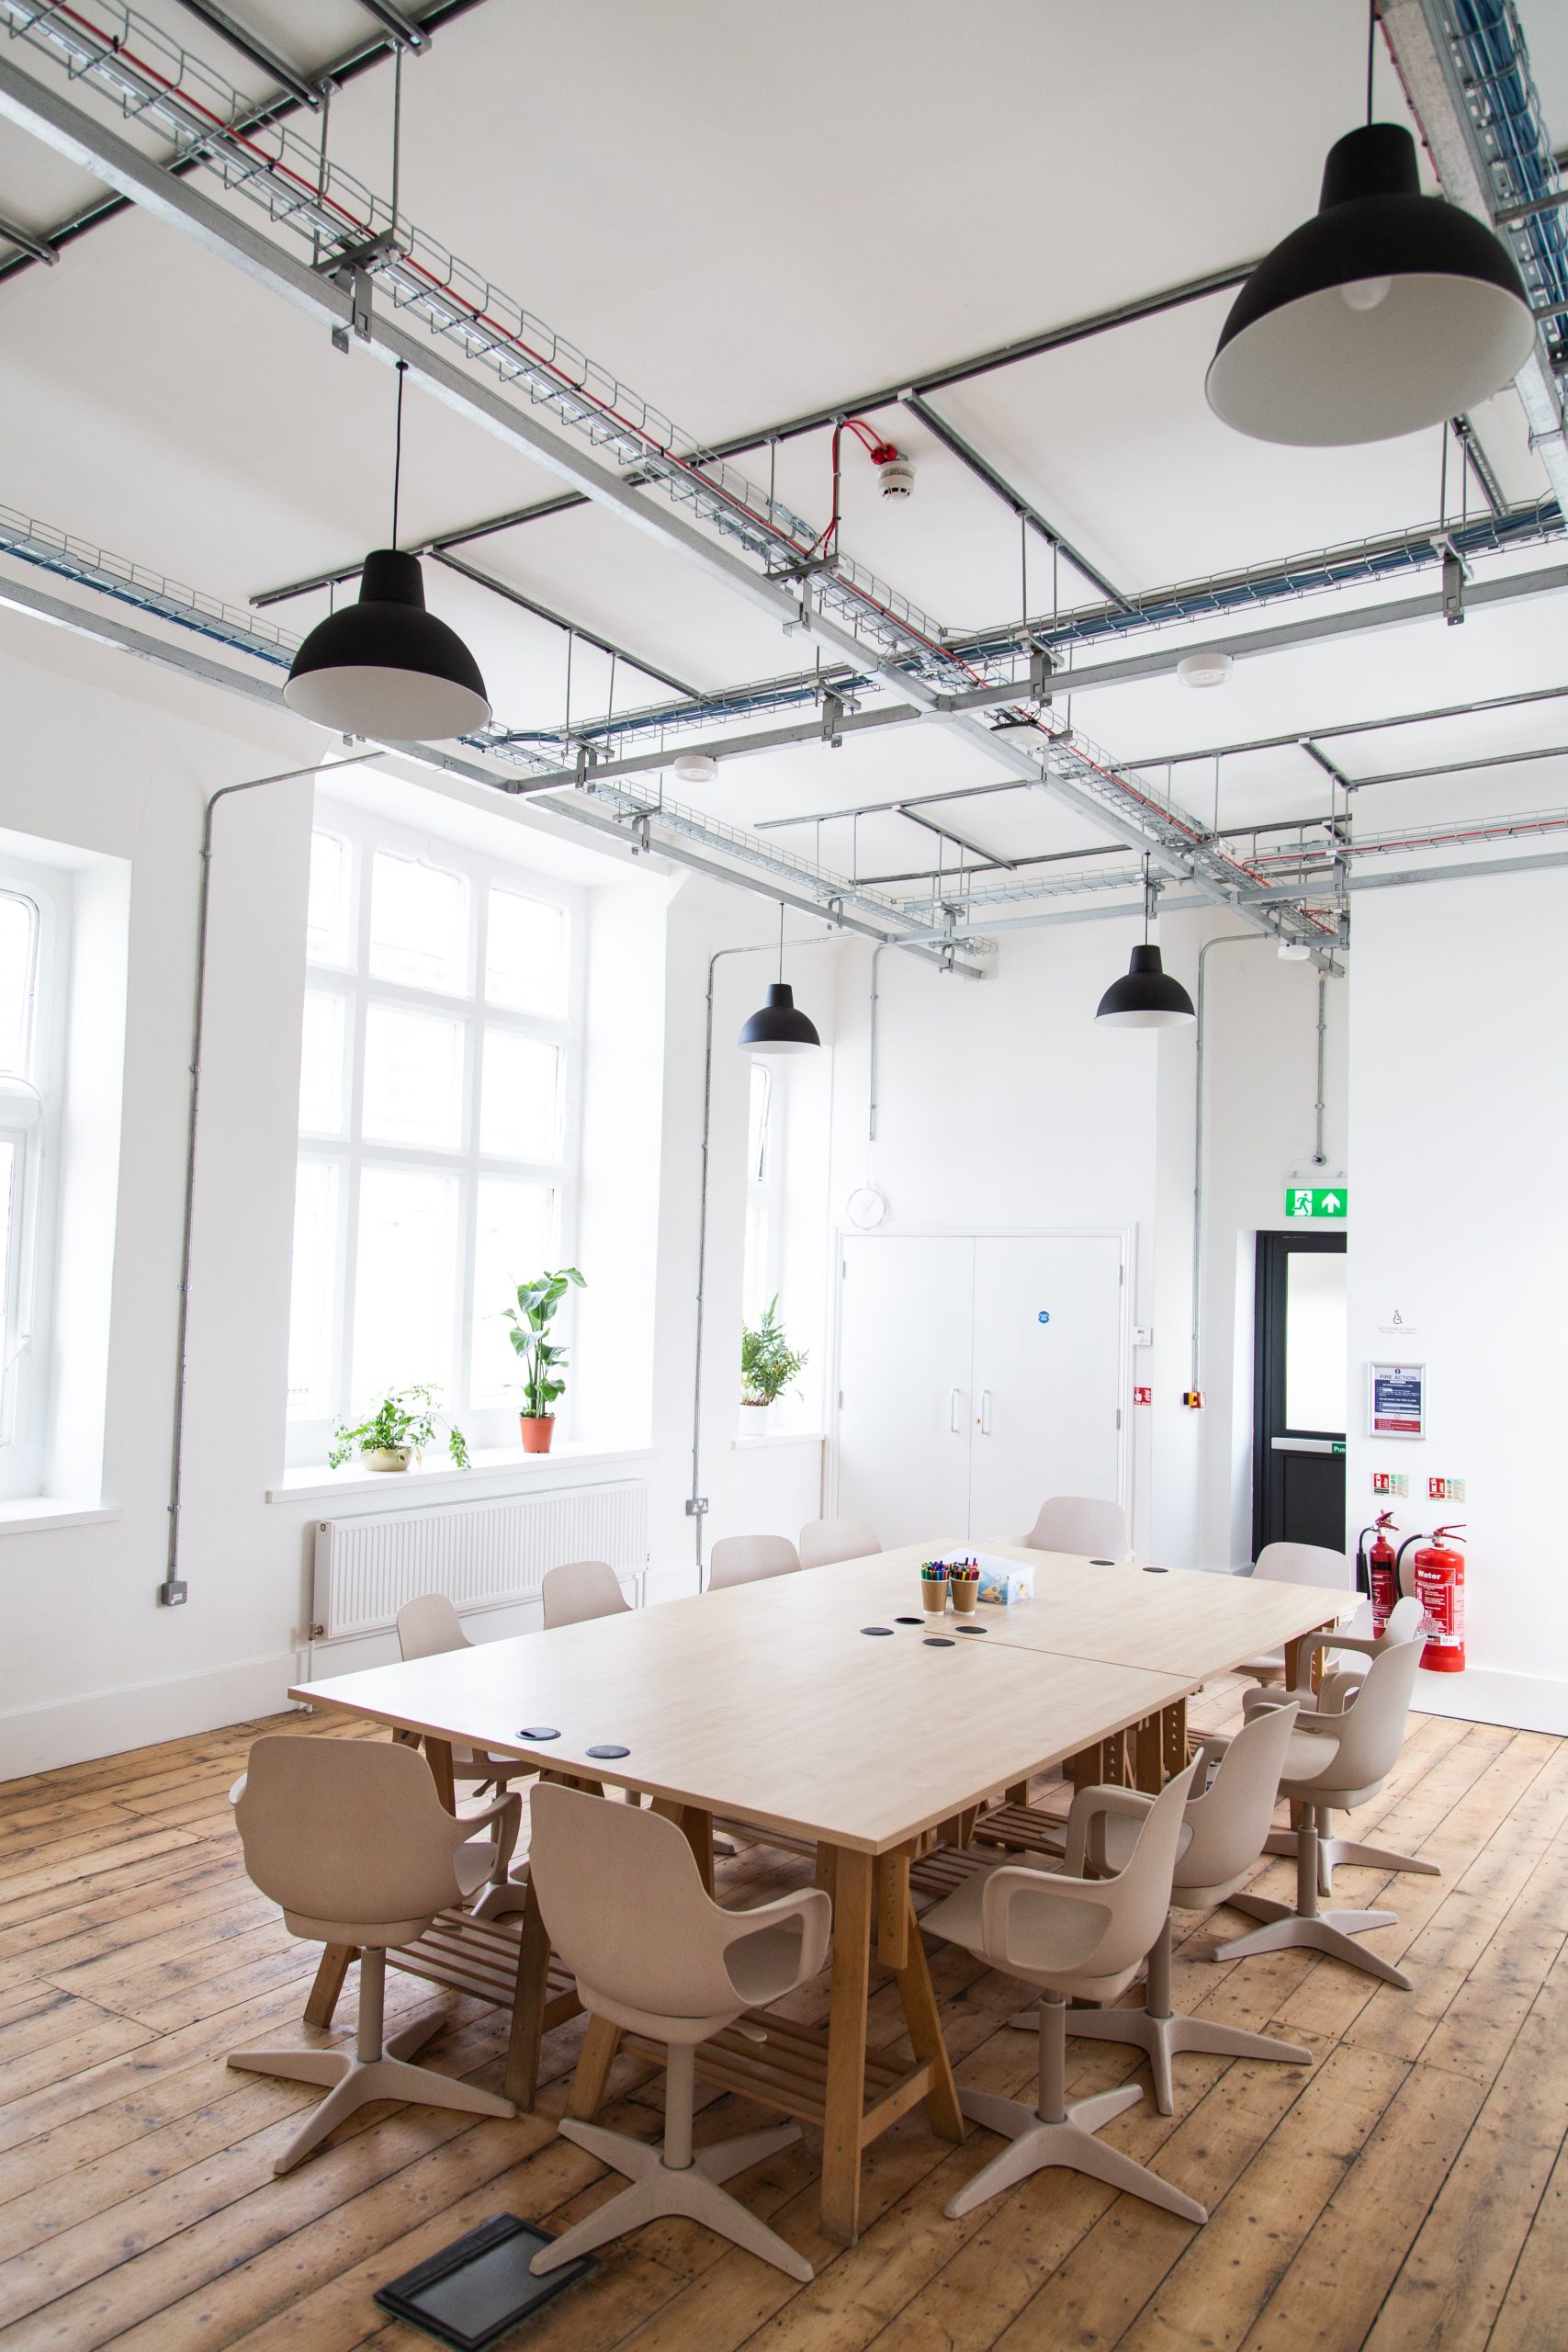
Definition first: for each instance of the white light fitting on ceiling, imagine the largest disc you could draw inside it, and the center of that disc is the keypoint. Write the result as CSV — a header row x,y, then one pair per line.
x,y
1204,669
695,767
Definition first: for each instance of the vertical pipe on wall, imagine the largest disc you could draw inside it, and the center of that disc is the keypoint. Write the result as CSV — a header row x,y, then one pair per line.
x,y
1226,939
172,1591
1318,1154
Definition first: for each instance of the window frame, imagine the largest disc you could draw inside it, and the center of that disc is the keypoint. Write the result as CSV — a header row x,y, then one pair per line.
x,y
27,1279
765,1197
487,1423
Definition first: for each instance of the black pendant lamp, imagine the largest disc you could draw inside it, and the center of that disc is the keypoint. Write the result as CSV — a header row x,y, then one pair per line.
x,y
383,666
780,1027
1146,998
1388,312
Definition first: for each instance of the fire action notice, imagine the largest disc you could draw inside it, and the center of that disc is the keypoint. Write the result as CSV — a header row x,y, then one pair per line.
x,y
1397,1400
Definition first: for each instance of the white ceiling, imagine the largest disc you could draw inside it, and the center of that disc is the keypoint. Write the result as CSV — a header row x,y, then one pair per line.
x,y
749,213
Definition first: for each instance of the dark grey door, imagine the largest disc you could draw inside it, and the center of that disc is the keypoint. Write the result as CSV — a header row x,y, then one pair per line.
x,y
1300,1380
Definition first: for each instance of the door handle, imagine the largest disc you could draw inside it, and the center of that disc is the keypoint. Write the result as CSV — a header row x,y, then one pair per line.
x,y
1305,1445
985,1414
952,1412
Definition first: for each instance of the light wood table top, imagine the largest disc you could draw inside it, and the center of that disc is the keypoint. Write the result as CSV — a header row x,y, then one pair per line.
x,y
767,1702
1181,1622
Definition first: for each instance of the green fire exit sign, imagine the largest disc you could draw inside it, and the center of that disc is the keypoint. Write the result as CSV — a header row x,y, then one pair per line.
x,y
1303,1201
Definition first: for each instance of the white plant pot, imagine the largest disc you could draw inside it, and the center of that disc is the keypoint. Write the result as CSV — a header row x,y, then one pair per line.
x,y
386,1457
755,1419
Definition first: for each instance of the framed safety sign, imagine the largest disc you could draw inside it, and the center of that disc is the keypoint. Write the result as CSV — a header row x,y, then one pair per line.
x,y
1397,1400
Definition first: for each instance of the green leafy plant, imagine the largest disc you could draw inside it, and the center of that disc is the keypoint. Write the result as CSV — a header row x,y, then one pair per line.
x,y
768,1363
405,1416
543,1362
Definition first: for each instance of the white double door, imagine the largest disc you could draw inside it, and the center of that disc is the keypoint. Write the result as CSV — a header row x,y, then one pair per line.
x,y
977,1374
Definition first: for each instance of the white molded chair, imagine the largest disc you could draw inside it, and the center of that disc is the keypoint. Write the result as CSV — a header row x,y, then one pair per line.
x,y
825,1540
430,1627
1081,1523
1222,1835
1337,1759
652,1953
1074,1938
746,1559
1296,1563
582,1590
1406,1622
350,1838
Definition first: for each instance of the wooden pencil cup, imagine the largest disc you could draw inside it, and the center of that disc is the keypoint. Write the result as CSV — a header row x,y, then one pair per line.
x,y
933,1595
965,1593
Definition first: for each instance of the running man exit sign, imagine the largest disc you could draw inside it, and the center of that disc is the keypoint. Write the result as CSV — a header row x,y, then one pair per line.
x,y
1302,1200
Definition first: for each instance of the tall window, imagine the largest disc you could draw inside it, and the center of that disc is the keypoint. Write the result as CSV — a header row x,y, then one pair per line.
x,y
33,922
437,1123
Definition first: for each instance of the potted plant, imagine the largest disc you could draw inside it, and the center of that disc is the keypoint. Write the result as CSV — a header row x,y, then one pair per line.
x,y
768,1363
404,1424
543,1362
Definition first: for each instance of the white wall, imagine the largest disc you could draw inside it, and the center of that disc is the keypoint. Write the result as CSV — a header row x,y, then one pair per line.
x,y
1458,1109
118,761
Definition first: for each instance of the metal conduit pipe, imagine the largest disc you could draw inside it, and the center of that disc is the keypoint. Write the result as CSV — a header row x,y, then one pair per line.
x,y
1226,939
696,1503
172,1591
1317,1151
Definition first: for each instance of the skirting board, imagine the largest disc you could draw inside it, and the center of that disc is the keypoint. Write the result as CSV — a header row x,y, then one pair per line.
x,y
138,1715
1482,1695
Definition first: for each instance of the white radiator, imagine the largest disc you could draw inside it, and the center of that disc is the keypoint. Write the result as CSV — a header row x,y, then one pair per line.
x,y
480,1555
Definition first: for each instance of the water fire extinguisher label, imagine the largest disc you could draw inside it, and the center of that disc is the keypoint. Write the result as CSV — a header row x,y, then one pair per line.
x,y
1397,1400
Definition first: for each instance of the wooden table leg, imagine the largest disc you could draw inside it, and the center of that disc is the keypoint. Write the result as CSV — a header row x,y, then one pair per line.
x,y
894,1907
845,2101
438,1755
1148,1754
335,1962
924,2022
529,2004
595,2059
696,1827
1173,1737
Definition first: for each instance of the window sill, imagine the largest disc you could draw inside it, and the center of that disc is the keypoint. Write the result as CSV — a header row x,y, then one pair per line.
x,y
438,1481
29,1513
779,1437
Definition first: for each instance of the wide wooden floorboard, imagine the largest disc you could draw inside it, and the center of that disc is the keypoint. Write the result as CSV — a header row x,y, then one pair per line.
x,y
1408,2190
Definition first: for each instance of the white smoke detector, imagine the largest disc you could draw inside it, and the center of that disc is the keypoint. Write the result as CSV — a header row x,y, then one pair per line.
x,y
1204,669
896,477
1293,951
695,767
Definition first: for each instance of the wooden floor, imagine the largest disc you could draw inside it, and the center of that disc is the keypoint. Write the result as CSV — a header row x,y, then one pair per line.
x,y
1409,2189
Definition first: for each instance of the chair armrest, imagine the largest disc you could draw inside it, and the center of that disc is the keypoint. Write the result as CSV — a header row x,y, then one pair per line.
x,y
506,1813
812,1907
238,1790
1089,1808
1012,1880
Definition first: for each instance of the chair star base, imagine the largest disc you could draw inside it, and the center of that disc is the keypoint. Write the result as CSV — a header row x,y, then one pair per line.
x,y
1037,2143
691,2191
358,2081
1163,2039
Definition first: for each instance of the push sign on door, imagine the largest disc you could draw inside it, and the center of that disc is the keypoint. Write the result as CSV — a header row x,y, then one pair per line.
x,y
1044,1316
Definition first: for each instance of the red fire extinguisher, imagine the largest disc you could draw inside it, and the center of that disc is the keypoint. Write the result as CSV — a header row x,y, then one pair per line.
x,y
1439,1587
1379,1579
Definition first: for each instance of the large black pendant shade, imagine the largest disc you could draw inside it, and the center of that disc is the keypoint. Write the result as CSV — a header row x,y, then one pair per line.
x,y
1145,997
780,1027
1388,312
385,667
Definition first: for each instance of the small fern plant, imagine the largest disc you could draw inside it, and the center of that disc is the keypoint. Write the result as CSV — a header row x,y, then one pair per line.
x,y
404,1417
768,1363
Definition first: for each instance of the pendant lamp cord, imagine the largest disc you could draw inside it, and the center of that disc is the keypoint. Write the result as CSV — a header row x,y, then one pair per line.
x,y
398,449
1371,52
1146,899
781,939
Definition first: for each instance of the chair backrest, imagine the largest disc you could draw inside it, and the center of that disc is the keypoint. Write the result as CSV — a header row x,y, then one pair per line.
x,y
1081,1523
1304,1563
429,1626
1372,1725
580,1589
1405,1620
346,1829
745,1559
823,1541
1129,1909
1230,1819
626,1911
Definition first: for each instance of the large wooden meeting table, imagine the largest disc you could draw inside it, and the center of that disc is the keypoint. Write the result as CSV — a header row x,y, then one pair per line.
x,y
771,1703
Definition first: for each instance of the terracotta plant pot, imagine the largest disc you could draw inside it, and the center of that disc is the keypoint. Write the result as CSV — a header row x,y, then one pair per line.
x,y
386,1457
537,1430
